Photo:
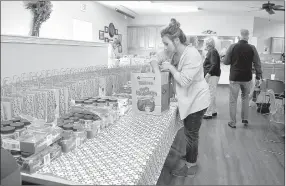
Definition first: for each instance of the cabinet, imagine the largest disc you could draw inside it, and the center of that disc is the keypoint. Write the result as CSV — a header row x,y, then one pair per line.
x,y
150,37
144,38
277,45
132,38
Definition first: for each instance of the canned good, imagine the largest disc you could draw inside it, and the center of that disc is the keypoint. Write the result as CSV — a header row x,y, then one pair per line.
x,y
19,129
8,132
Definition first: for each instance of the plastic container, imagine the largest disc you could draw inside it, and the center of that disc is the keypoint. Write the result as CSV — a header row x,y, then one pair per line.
x,y
19,129
69,121
8,132
79,102
75,119
67,131
88,102
26,122
16,154
6,123
78,115
101,103
16,119
113,105
80,135
68,144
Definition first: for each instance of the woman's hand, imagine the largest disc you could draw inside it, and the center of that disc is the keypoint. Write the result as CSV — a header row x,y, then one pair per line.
x,y
166,66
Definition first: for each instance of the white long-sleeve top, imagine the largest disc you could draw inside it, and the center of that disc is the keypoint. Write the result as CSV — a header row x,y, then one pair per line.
x,y
191,88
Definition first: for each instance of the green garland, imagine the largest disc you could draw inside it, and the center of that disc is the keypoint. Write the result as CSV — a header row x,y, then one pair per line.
x,y
41,11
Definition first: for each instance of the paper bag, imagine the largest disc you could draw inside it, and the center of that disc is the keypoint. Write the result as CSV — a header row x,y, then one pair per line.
x,y
150,92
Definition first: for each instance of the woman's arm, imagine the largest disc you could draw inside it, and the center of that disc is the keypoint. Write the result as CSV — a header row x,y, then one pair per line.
x,y
190,68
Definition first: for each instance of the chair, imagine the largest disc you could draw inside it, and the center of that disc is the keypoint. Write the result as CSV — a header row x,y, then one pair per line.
x,y
277,114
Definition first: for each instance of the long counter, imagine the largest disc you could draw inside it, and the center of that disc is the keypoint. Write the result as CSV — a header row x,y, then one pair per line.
x,y
130,152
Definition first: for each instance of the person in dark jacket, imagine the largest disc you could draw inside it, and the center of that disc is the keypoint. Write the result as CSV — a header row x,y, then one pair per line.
x,y
212,74
240,56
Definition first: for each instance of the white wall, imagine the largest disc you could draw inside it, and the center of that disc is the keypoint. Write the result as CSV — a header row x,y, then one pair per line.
x,y
196,24
16,20
264,29
20,57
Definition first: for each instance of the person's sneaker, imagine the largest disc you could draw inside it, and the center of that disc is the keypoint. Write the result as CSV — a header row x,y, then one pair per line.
x,y
214,114
245,122
231,124
207,117
186,172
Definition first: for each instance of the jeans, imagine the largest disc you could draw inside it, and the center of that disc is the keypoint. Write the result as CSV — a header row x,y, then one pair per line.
x,y
212,81
234,88
192,125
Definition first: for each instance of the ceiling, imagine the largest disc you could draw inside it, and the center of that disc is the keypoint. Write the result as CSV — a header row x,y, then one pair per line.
x,y
208,8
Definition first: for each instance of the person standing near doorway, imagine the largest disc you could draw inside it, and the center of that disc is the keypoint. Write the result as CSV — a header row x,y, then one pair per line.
x,y
212,74
240,57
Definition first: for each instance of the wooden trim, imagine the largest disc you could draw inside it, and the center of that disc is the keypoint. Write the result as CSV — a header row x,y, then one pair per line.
x,y
48,41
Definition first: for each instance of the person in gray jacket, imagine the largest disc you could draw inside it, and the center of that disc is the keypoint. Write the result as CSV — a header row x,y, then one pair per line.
x,y
240,56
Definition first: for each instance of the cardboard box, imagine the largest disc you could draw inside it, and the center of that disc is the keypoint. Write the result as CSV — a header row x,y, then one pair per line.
x,y
150,92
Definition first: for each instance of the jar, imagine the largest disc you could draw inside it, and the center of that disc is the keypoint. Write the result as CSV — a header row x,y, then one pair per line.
x,y
26,122
68,121
113,105
88,102
16,119
6,123
79,134
75,119
101,102
67,131
8,132
19,129
93,100
79,102
16,154
68,144
86,98
88,117
78,115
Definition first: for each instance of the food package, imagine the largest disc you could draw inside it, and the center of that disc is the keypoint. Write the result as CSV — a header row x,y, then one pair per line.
x,y
38,137
33,163
150,92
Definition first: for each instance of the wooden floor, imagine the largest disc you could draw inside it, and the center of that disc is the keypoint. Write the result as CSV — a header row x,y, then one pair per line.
x,y
231,156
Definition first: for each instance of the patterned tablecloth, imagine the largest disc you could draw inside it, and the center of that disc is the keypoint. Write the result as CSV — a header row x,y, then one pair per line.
x,y
131,152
